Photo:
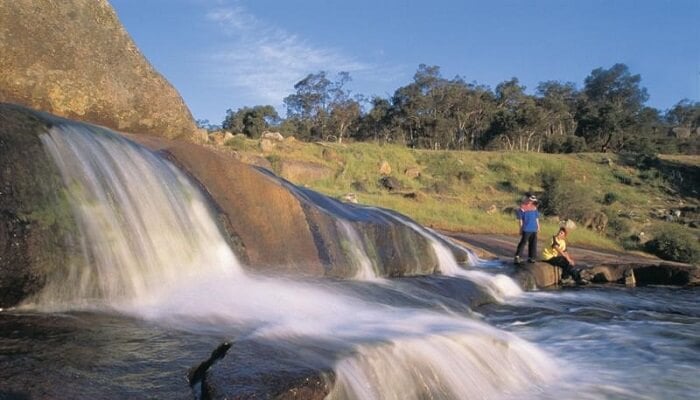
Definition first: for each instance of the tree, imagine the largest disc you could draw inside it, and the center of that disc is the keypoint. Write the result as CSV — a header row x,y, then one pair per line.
x,y
377,123
685,114
251,121
344,111
519,121
205,124
559,102
308,106
612,100
311,107
471,109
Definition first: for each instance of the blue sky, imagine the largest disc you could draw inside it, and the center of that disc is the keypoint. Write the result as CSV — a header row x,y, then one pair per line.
x,y
223,54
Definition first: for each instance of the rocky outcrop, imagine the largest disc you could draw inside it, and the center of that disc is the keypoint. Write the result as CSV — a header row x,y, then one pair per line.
x,y
273,225
73,58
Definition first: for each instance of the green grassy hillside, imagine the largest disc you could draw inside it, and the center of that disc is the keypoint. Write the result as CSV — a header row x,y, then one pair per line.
x,y
477,191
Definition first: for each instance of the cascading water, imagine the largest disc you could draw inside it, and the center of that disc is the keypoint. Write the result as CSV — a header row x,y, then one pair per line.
x,y
152,250
143,225
363,264
499,285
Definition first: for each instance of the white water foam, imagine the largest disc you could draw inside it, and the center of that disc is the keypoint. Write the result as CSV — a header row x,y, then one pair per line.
x,y
397,353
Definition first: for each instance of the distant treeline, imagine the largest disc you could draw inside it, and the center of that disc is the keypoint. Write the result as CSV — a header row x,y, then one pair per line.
x,y
607,114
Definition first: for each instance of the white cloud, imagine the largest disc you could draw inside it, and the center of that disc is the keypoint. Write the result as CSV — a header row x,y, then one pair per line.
x,y
263,62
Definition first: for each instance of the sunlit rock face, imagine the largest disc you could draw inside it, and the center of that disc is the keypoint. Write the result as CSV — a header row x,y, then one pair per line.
x,y
73,58
278,227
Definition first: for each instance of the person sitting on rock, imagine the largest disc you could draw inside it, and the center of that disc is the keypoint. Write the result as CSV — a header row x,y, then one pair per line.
x,y
557,255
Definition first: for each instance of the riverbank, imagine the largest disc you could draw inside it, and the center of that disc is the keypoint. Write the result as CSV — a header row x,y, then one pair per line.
x,y
596,265
619,202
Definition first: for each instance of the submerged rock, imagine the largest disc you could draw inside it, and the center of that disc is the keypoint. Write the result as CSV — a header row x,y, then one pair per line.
x,y
251,370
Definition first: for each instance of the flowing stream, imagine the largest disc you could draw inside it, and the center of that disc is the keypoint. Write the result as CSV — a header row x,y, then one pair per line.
x,y
157,277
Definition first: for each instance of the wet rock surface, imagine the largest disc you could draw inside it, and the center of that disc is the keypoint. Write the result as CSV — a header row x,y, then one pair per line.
x,y
254,370
92,356
35,219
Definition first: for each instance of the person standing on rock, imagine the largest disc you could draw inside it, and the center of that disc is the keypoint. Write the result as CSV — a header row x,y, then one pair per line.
x,y
557,255
529,221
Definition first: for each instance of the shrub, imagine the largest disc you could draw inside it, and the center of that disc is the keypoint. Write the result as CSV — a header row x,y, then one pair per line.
x,y
500,167
447,167
618,227
274,160
465,176
506,186
562,197
675,243
238,142
609,198
644,159
564,144
623,178
630,243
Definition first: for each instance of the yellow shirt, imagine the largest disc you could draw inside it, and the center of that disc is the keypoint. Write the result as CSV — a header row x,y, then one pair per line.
x,y
550,252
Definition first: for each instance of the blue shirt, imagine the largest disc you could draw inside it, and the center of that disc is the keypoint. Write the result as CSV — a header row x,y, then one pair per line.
x,y
529,218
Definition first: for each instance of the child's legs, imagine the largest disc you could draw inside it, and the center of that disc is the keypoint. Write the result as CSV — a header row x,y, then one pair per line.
x,y
521,244
532,245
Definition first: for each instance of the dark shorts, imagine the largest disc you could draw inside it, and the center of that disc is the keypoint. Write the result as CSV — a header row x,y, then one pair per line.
x,y
562,263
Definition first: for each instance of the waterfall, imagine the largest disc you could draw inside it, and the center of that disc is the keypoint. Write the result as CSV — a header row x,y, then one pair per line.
x,y
151,249
499,286
355,248
143,226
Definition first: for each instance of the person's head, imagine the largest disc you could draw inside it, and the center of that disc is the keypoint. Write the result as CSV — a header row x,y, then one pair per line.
x,y
562,232
532,199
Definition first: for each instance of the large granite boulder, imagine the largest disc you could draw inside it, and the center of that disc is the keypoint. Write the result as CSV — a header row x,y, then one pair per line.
x,y
73,58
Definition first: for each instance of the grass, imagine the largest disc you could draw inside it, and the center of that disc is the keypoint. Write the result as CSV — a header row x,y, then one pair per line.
x,y
476,191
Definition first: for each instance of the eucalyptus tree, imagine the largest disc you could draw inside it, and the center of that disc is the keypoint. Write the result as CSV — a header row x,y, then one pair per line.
x,y
685,114
344,111
251,121
469,108
519,122
378,123
307,108
415,107
611,103
321,107
559,102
